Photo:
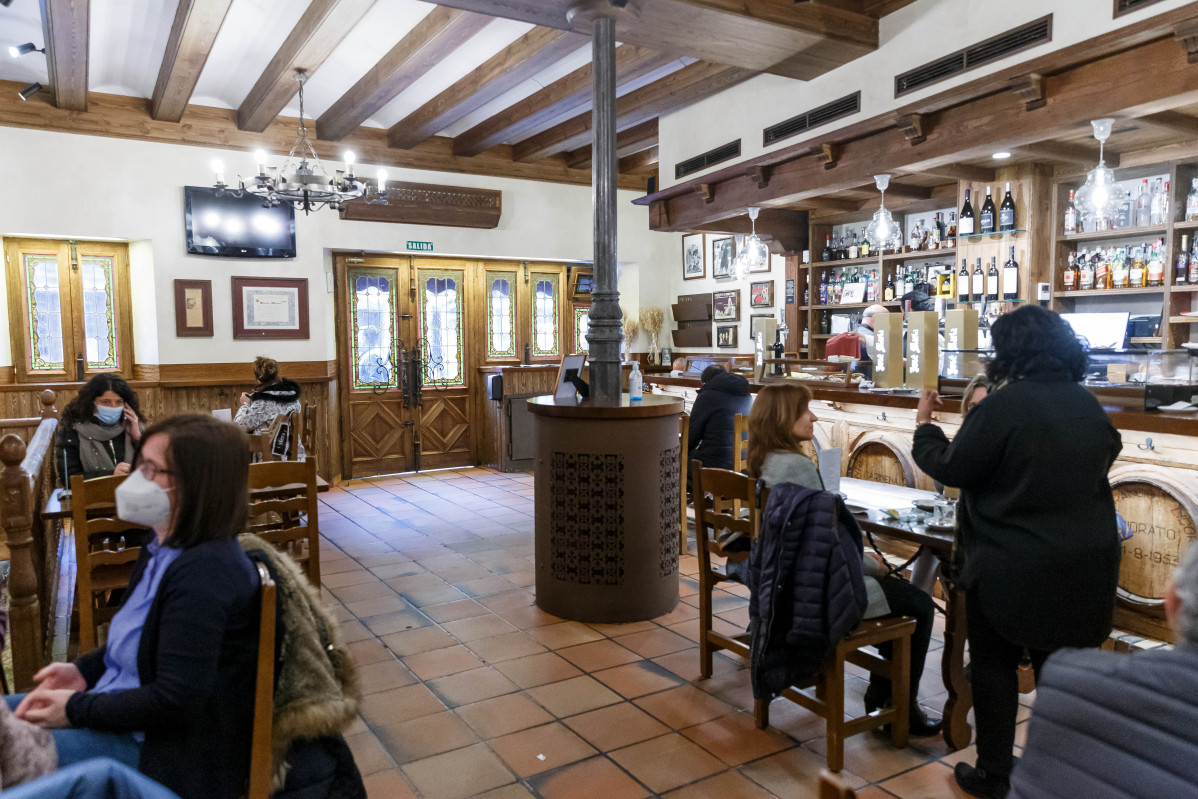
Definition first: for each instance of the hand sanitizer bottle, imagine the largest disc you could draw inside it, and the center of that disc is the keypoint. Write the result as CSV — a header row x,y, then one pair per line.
x,y
635,382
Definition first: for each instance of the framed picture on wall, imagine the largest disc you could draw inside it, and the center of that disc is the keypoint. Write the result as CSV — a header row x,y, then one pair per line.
x,y
694,257
725,336
761,294
193,308
726,305
270,307
723,250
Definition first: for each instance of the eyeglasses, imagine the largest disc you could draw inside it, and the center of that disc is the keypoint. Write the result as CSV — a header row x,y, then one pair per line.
x,y
150,470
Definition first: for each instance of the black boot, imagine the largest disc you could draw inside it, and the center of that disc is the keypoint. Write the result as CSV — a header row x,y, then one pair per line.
x,y
976,782
919,725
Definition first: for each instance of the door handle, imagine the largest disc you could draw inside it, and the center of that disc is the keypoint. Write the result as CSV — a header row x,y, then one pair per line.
x,y
417,386
404,383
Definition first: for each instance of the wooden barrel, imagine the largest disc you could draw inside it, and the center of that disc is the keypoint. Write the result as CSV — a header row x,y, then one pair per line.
x,y
882,458
1159,507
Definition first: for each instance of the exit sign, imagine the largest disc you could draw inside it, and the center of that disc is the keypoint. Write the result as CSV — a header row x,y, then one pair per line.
x,y
420,246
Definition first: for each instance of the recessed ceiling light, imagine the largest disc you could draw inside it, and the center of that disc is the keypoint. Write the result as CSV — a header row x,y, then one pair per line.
x,y
1002,155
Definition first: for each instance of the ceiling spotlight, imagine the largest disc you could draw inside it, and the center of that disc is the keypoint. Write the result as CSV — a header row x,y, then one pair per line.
x,y
18,50
30,90
5,3
1002,155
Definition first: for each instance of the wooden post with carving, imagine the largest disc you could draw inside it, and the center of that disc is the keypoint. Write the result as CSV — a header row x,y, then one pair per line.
x,y
47,399
16,510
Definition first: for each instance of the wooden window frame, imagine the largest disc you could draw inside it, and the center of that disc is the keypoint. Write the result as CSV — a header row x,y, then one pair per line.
x,y
510,272
70,292
564,310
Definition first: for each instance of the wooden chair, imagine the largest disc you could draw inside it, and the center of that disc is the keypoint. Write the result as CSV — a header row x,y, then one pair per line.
x,y
106,549
295,420
283,509
309,430
684,426
833,786
264,690
740,443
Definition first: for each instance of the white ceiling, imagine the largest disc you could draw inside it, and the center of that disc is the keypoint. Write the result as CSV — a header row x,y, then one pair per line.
x,y
128,38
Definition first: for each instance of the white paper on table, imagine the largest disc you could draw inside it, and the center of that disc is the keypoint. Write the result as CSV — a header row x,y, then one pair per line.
x,y
224,414
829,468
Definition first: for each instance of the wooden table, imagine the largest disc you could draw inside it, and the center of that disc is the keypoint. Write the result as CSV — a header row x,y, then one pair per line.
x,y
877,497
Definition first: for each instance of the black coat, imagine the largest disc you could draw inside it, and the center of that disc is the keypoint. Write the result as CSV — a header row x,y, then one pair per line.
x,y
712,419
1038,527
197,660
68,448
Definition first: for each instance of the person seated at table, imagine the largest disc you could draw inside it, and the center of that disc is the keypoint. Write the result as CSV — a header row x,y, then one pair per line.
x,y
721,397
100,429
1108,724
779,424
172,692
865,331
272,396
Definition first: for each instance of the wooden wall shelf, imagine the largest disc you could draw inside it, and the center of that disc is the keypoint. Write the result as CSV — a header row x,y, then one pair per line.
x,y
1119,233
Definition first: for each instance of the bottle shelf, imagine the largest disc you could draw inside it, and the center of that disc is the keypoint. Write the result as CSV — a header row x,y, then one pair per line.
x,y
1183,320
850,306
920,255
1182,289
975,238
984,302
1184,226
823,335
1119,233
870,259
1088,293
1145,340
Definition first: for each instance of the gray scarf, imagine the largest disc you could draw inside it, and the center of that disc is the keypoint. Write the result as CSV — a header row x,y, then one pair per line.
x,y
97,453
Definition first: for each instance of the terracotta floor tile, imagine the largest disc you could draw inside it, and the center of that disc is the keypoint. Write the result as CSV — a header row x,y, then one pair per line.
x,y
383,676
516,598
616,726
873,792
400,704
452,611
933,781
637,679
433,596
597,778
422,639
573,696
793,773
351,631
654,643
598,655
369,754
686,664
472,629
369,589
540,749
459,774
387,785
628,628
534,670
513,791
502,715
683,612
559,636
526,618
424,737
728,785
474,685
684,706
355,576
509,646
368,651
735,739
667,762
397,622
442,662
487,586
367,608
871,756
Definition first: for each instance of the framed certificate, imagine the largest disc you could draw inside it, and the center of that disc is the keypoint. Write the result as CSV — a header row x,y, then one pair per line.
x,y
275,307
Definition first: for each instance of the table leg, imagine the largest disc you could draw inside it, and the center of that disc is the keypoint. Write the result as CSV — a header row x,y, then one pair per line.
x,y
957,732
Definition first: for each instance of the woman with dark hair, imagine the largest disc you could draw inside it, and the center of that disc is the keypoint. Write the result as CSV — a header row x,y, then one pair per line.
x,y
1037,520
172,692
780,424
273,395
100,429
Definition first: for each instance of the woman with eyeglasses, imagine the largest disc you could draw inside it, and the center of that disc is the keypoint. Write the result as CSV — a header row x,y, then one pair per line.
x,y
100,429
172,691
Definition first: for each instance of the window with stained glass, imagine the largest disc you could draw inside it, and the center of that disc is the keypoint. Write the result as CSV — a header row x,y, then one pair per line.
x,y
97,274
373,316
582,321
546,291
501,315
44,305
441,327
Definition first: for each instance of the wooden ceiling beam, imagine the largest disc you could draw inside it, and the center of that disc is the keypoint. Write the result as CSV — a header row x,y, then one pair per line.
x,y
434,39
569,94
903,191
1070,153
1172,121
678,89
1146,79
628,141
795,40
507,69
322,27
197,22
975,174
638,161
65,29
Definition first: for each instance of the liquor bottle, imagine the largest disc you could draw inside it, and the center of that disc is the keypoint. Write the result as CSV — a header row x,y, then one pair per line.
x,y
826,255
1194,262
1138,275
1182,273
952,225
1006,211
1010,278
1144,206
1157,209
1123,211
853,245
965,223
916,237
1085,272
963,282
1119,269
888,295
1156,266
1102,271
992,279
864,245
1192,202
871,293
1071,216
936,233
986,223
806,297
823,289
1069,278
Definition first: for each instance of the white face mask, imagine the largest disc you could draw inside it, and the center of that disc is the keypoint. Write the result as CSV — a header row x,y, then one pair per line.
x,y
142,501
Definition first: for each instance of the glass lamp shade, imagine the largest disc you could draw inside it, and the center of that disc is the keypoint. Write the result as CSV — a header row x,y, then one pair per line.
x,y
1098,197
883,232
753,255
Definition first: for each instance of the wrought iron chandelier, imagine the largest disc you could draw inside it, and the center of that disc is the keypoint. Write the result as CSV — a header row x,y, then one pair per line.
x,y
302,180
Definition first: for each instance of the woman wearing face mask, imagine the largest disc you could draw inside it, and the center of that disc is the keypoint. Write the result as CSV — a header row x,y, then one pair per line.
x,y
100,429
172,691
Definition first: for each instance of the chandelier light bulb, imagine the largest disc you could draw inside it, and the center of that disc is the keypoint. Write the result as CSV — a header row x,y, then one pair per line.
x,y
260,157
218,166
349,162
382,179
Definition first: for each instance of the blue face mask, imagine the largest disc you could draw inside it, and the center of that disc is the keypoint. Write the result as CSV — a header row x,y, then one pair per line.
x,y
109,415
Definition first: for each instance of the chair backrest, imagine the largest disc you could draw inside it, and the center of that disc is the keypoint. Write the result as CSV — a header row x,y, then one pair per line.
x,y
309,430
264,689
740,443
833,786
718,495
295,420
284,510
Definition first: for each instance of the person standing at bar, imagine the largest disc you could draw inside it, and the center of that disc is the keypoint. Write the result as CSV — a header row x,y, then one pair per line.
x,y
1038,530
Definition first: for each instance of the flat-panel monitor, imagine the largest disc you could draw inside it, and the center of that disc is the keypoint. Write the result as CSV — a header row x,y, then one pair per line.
x,y
1100,331
237,227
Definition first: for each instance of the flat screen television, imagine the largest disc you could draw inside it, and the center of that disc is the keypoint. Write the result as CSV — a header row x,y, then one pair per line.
x,y
237,227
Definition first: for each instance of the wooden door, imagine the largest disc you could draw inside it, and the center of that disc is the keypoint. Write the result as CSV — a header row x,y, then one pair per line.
x,y
447,358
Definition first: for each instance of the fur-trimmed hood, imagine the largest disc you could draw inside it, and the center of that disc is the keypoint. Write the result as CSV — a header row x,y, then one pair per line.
x,y
282,391
316,690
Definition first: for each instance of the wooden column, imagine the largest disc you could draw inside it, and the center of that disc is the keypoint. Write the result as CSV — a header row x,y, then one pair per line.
x,y
16,510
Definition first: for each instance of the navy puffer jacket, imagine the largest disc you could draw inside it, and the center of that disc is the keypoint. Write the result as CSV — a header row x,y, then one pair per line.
x,y
713,416
808,588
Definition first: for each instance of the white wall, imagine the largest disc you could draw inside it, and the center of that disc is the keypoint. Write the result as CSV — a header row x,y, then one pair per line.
x,y
919,33
133,191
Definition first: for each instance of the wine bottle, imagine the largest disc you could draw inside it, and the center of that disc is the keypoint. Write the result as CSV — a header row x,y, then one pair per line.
x,y
1069,278
992,279
963,281
1143,206
1071,216
1010,278
986,224
1181,274
1006,211
965,222
1192,202
978,282
827,253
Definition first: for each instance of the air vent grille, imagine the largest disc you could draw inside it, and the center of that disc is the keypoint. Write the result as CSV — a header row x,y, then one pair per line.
x,y
710,158
829,112
1128,6
980,54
